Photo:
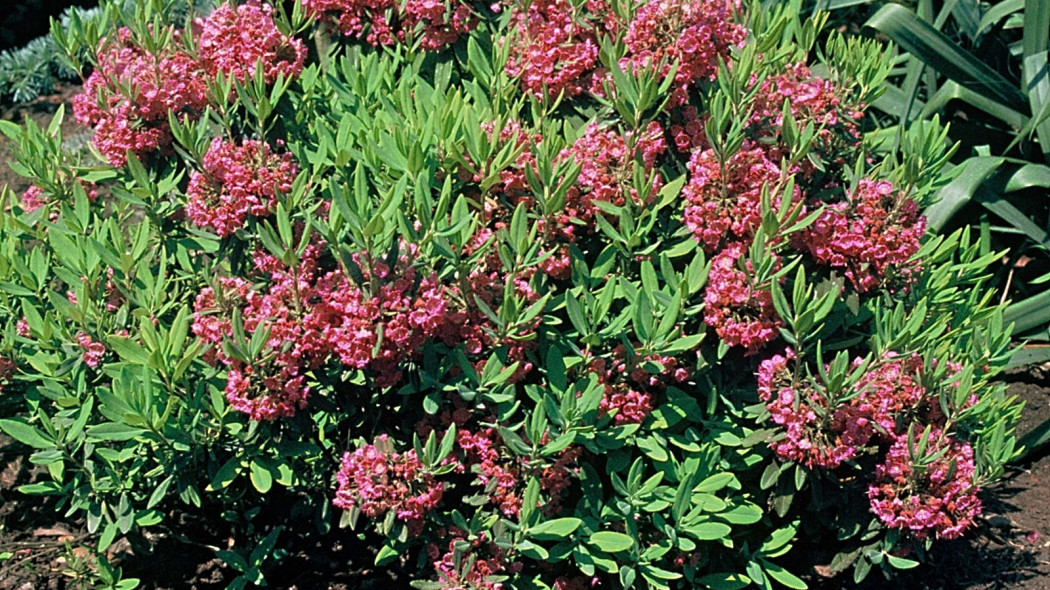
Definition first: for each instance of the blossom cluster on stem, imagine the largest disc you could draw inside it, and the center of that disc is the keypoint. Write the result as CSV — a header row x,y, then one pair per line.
x,y
927,493
133,90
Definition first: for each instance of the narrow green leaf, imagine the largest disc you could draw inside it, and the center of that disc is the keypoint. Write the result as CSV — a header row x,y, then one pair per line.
x,y
943,55
610,541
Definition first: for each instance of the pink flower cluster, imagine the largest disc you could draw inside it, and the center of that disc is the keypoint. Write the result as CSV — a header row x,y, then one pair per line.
x,y
313,316
555,46
802,413
502,475
724,200
812,100
927,496
924,495
871,235
377,480
686,128
93,351
436,24
8,368
237,181
606,159
35,197
128,98
695,35
497,474
459,569
629,387
740,311
819,435
233,39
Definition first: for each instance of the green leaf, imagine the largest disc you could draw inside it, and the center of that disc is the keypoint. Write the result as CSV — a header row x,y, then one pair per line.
x,y
128,349
610,541
261,477
159,492
226,474
724,581
715,482
1029,313
554,530
709,531
783,576
114,431
900,562
940,53
956,194
26,434
1036,68
386,555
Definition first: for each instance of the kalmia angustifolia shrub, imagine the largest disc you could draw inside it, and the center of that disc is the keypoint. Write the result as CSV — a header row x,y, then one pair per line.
x,y
535,295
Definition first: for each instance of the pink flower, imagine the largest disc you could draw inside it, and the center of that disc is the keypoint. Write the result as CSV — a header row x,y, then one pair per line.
x,y
7,370
724,203
313,317
233,39
607,168
237,181
273,392
801,411
93,351
811,100
377,480
130,94
383,22
871,235
460,569
555,45
740,312
930,495
629,387
693,35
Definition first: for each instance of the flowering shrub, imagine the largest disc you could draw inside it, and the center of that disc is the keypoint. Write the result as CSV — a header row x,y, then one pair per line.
x,y
536,295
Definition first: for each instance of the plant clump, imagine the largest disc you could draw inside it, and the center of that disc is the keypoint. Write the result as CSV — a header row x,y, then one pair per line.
x,y
526,295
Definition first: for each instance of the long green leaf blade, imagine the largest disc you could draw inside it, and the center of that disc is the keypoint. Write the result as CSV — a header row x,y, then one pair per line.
x,y
1036,68
940,53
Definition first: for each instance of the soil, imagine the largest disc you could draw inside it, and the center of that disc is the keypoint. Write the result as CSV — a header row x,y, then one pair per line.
x,y
1010,549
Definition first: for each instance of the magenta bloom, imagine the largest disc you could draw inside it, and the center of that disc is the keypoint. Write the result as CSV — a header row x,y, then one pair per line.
x,y
695,34
377,480
555,48
233,39
926,497
137,120
871,235
93,351
436,24
724,204
740,312
237,181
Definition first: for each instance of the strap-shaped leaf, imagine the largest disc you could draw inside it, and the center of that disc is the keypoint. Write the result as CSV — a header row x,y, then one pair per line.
x,y
998,13
951,90
953,196
939,52
1036,68
1029,313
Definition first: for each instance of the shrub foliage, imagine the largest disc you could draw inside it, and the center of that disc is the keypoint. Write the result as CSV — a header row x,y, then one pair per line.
x,y
531,295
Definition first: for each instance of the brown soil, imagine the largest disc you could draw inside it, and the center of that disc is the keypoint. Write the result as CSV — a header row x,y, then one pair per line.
x,y
41,111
